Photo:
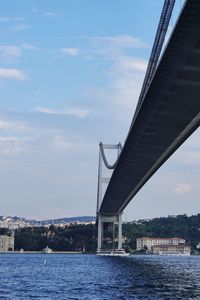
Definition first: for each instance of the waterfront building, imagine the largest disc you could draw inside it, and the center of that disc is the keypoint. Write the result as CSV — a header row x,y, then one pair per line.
x,y
6,243
198,246
149,242
172,249
47,250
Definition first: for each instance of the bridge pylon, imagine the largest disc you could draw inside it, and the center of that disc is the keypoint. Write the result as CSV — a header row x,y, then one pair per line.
x,y
105,218
102,180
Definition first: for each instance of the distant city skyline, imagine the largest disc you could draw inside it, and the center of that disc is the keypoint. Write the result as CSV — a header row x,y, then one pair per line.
x,y
70,76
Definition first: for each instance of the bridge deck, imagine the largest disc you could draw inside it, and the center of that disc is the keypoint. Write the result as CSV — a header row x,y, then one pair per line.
x,y
168,115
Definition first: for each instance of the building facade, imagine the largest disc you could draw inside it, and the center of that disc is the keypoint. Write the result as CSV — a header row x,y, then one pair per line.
x,y
6,243
148,242
172,249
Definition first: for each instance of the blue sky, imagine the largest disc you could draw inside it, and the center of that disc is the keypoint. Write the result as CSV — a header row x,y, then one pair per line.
x,y
70,76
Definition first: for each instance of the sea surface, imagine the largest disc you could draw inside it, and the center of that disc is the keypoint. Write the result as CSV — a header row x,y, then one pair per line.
x,y
85,277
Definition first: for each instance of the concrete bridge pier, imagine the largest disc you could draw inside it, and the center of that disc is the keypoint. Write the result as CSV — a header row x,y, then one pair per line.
x,y
106,218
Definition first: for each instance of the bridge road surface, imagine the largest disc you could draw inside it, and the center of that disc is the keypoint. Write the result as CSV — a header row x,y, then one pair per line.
x,y
167,116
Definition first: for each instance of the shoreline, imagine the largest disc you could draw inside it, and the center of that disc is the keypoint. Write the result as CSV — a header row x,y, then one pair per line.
x,y
41,252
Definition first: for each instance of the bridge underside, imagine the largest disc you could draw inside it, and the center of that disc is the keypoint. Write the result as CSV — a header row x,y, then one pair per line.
x,y
168,115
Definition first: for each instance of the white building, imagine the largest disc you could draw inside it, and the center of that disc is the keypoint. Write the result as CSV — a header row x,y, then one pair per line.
x,y
198,246
172,249
6,243
47,250
148,242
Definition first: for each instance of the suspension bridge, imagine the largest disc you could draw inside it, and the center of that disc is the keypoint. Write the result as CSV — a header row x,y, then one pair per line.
x,y
167,113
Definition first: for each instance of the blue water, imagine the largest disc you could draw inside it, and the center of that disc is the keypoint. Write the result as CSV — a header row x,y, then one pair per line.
x,y
64,276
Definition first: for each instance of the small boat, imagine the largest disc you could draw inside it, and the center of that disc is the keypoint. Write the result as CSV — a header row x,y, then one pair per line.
x,y
112,252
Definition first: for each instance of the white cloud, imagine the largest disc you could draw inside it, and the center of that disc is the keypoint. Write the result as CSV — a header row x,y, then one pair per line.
x,y
10,145
60,143
72,144
51,14
5,125
77,112
182,189
45,110
27,46
18,19
124,73
8,19
21,27
4,19
9,139
12,74
9,53
35,9
126,63
119,41
70,51
81,113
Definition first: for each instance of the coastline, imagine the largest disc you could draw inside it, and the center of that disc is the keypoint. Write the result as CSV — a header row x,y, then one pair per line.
x,y
42,252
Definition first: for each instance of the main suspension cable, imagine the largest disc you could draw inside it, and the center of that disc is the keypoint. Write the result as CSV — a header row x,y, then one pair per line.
x,y
157,48
109,166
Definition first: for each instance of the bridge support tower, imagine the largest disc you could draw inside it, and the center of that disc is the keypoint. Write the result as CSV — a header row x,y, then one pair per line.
x,y
101,217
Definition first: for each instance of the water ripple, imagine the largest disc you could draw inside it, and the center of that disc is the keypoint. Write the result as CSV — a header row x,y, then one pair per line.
x,y
88,277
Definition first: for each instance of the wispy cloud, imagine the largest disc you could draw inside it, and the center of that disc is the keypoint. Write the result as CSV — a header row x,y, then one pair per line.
x,y
46,110
50,14
27,46
8,19
113,48
118,42
12,74
60,142
10,145
131,64
182,189
76,112
5,19
19,19
7,125
21,27
35,9
9,53
124,73
70,51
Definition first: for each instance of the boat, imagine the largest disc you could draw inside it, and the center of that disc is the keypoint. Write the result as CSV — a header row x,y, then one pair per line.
x,y
112,252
